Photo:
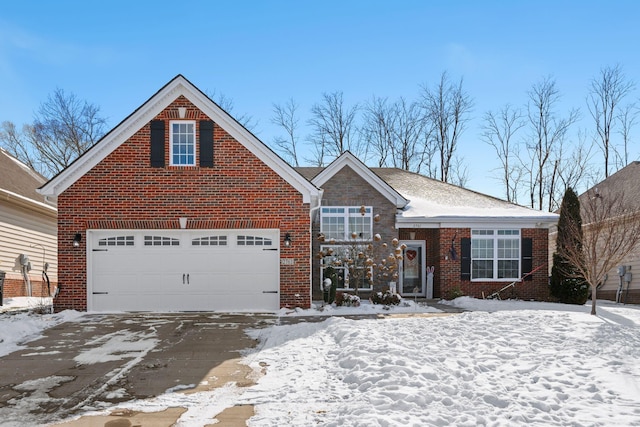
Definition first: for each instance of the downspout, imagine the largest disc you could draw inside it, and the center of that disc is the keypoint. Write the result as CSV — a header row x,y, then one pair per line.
x,y
311,214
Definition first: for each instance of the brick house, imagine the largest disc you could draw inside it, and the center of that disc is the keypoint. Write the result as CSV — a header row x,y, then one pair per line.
x,y
179,207
472,243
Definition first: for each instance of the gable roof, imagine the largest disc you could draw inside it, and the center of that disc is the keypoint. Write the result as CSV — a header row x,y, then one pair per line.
x,y
625,184
433,203
18,183
179,85
347,159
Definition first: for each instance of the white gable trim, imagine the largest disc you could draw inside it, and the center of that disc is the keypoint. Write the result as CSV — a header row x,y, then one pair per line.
x,y
154,106
348,159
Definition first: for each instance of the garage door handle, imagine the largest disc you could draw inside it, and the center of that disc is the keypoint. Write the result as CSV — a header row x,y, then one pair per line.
x,y
269,292
100,293
99,250
187,278
270,249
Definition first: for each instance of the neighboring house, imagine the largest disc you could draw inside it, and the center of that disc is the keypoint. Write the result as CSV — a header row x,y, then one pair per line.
x,y
27,230
625,183
179,207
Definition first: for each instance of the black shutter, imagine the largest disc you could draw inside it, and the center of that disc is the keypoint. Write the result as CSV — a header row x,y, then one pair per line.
x,y
527,257
465,258
206,143
157,143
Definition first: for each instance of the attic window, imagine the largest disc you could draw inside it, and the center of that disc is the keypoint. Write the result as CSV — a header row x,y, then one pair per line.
x,y
183,142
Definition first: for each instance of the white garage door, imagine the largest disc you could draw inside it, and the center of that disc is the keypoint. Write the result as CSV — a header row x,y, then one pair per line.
x,y
183,270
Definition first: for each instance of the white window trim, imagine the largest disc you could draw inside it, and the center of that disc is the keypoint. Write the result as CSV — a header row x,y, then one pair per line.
x,y
495,258
195,142
345,216
345,270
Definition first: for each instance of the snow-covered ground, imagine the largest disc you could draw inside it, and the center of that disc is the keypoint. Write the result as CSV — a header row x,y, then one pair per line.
x,y
507,363
504,363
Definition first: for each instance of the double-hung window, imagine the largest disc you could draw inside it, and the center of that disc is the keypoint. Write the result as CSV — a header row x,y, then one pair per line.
x,y
183,142
344,223
495,254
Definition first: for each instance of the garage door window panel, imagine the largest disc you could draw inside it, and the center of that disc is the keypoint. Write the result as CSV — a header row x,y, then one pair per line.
x,y
254,241
209,241
161,241
117,241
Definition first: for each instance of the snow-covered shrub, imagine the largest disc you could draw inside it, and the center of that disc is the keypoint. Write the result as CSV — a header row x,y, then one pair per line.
x,y
386,298
454,293
347,300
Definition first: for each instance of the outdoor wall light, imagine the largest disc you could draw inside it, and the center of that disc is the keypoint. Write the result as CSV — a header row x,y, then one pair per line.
x,y
287,239
76,240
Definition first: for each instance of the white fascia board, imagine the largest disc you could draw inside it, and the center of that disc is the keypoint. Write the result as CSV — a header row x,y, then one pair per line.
x,y
476,222
348,159
154,106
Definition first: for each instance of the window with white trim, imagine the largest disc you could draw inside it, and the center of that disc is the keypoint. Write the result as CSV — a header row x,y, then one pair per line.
x,y
343,223
183,142
338,257
495,254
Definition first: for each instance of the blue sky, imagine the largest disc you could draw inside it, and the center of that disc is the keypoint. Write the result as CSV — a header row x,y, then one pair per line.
x,y
116,54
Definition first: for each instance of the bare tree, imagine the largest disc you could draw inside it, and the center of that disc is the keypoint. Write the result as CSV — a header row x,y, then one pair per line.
x,y
499,129
547,131
378,130
334,127
627,119
396,133
64,127
285,116
609,234
227,104
575,168
459,172
447,107
17,142
605,94
412,135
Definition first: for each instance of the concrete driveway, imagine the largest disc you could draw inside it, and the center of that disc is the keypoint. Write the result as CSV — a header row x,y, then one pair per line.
x,y
105,359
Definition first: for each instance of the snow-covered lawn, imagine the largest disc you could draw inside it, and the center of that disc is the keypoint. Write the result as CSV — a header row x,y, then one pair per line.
x,y
505,363
509,363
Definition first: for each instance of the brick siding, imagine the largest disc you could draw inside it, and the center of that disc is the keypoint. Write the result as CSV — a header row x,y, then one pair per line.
x,y
347,188
124,189
447,281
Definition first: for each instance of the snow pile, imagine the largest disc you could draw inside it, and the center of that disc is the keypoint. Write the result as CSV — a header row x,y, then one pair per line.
x,y
17,329
515,366
406,306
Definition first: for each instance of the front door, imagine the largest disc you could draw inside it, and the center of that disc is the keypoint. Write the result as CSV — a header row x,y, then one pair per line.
x,y
412,271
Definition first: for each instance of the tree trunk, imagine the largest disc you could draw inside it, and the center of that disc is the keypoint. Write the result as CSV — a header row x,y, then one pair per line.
x,y
593,300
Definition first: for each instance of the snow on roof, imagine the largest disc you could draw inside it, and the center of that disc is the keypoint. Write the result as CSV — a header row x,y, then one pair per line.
x,y
434,200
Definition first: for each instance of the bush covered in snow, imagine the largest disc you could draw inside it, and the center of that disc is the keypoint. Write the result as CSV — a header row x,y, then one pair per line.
x,y
386,298
347,300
